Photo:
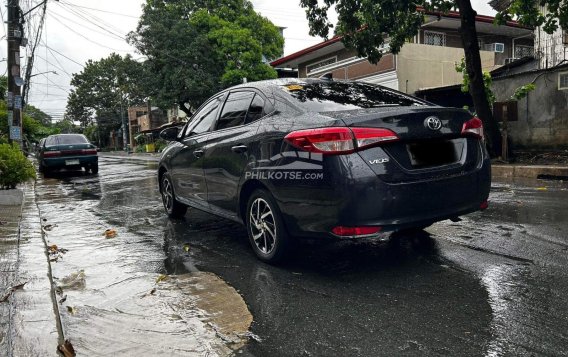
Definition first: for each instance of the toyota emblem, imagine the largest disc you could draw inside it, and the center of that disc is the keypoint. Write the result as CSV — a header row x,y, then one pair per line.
x,y
433,123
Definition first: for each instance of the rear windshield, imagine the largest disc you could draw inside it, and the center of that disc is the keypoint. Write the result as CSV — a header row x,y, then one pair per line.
x,y
336,96
66,140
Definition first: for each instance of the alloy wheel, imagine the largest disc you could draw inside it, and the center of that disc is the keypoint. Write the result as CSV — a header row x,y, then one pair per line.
x,y
262,225
167,194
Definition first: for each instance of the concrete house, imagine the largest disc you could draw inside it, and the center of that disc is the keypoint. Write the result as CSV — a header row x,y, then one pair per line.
x,y
139,120
426,61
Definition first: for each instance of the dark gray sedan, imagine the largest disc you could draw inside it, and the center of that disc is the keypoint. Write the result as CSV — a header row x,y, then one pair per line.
x,y
320,158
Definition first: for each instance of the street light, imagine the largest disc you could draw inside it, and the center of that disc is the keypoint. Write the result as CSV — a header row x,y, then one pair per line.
x,y
37,74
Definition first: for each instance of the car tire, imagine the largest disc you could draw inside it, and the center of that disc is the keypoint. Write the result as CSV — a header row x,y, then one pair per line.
x,y
173,207
266,231
95,168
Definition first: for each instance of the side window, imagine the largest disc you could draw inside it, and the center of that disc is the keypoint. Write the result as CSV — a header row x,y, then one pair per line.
x,y
235,110
204,118
256,110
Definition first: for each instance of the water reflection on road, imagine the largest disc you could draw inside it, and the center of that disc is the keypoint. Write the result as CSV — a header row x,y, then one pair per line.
x,y
494,284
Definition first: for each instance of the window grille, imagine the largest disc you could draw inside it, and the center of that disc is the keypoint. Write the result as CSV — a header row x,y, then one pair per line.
x,y
434,38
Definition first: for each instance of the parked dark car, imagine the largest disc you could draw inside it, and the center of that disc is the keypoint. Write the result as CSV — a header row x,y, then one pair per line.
x,y
322,158
67,151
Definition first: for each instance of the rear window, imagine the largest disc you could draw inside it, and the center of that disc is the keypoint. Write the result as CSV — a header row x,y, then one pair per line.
x,y
336,96
66,140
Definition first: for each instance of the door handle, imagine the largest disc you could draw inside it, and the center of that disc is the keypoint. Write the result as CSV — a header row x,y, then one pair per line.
x,y
198,153
239,149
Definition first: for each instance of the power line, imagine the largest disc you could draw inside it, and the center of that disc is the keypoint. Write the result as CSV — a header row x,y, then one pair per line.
x,y
62,55
60,68
100,10
85,37
106,33
87,17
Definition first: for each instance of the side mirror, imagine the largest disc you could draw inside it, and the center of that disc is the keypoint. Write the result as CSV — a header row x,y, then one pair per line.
x,y
170,134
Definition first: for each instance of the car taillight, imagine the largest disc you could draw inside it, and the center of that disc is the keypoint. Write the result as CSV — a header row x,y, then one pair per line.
x,y
473,127
370,136
51,153
89,151
339,140
355,231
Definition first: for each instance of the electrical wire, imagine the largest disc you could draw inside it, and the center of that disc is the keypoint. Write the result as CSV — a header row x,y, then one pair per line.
x,y
62,55
100,10
85,37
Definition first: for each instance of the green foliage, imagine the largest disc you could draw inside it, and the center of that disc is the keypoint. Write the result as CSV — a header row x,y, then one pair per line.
x,y
15,168
104,87
91,132
3,87
523,91
37,114
487,82
528,13
197,47
160,145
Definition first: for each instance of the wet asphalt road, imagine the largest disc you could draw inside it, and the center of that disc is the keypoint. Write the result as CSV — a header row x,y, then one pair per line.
x,y
495,284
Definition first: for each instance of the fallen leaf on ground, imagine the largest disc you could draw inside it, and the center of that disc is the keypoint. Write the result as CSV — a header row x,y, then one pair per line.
x,y
62,300
67,349
542,188
186,247
11,290
49,227
74,280
52,248
71,310
162,277
110,233
152,292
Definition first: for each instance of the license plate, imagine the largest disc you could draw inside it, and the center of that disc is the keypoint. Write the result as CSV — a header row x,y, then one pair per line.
x,y
71,162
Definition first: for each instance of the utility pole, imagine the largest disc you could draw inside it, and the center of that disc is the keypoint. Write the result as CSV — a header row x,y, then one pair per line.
x,y
15,35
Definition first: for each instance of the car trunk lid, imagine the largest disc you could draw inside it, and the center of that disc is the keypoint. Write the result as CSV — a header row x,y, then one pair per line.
x,y
430,145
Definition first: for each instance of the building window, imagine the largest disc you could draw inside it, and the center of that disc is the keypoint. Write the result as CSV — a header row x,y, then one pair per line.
x,y
563,80
434,38
314,66
523,51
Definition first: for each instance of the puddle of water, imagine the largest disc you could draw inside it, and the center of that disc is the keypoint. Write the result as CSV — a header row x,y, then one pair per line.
x,y
120,306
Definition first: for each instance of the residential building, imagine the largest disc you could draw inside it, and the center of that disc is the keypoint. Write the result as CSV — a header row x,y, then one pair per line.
x,y
550,49
428,60
138,120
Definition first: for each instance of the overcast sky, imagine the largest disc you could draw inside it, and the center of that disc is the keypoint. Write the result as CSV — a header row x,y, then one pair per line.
x,y
78,30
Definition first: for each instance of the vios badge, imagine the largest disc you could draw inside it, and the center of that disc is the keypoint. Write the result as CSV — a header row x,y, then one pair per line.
x,y
433,123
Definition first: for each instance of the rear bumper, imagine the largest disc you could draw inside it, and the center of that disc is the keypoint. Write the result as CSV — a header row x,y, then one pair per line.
x,y
363,199
61,162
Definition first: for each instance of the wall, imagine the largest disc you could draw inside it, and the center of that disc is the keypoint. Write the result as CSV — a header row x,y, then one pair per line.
x,y
543,115
425,66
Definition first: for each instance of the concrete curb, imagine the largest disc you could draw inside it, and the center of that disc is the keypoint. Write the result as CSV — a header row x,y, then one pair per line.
x,y
13,197
529,171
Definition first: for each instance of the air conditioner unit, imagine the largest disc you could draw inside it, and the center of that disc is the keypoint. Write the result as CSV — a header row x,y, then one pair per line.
x,y
495,47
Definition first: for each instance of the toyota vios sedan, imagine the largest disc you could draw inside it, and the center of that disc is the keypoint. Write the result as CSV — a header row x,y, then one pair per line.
x,y
67,151
294,158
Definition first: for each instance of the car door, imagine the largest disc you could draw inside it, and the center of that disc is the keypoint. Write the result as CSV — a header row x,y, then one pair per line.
x,y
186,163
229,148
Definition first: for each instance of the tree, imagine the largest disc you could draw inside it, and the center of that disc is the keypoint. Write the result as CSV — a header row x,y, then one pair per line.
x,y
105,86
197,47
